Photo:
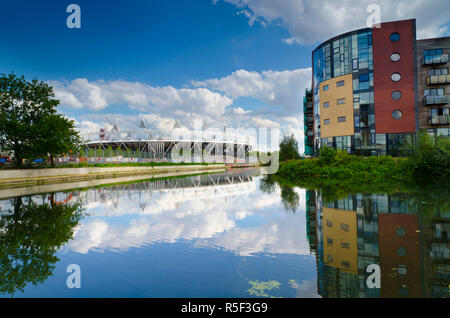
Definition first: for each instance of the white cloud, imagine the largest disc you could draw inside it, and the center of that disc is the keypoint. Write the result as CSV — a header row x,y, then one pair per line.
x,y
97,95
275,88
211,100
315,21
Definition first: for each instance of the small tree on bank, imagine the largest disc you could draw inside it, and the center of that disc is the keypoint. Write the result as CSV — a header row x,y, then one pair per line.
x,y
289,148
58,136
30,126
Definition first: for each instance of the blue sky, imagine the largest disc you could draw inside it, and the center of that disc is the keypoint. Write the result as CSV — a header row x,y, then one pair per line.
x,y
159,42
240,63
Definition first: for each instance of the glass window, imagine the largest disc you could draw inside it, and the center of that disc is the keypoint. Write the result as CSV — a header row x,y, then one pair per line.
x,y
364,77
364,98
345,245
329,223
341,101
330,241
345,263
396,77
401,251
396,114
432,52
326,104
401,231
395,57
340,83
326,87
395,37
345,227
396,95
438,71
341,119
326,121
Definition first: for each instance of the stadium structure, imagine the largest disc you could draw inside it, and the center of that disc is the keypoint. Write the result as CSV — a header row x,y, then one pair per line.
x,y
145,144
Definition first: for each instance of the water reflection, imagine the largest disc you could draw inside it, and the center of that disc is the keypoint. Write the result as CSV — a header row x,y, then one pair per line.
x,y
204,208
233,234
30,235
405,234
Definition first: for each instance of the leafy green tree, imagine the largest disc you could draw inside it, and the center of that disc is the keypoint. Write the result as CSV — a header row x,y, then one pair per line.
x,y
430,156
29,123
30,235
289,148
109,152
58,136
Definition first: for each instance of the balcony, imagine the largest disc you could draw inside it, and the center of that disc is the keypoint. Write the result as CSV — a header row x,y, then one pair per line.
x,y
438,79
436,100
435,59
439,120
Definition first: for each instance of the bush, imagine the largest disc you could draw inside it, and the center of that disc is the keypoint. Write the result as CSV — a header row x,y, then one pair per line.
x,y
431,156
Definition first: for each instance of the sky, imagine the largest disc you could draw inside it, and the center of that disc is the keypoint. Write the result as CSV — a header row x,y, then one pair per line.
x,y
238,63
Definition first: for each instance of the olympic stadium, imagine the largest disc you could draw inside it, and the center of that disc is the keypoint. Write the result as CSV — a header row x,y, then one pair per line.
x,y
144,145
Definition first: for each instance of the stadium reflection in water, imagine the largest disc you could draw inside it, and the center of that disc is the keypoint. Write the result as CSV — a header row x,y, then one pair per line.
x,y
232,234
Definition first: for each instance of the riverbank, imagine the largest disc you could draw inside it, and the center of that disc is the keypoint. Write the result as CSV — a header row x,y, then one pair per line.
x,y
28,177
348,168
26,190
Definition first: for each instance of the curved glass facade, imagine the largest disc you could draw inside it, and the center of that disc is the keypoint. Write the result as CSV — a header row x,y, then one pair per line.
x,y
350,53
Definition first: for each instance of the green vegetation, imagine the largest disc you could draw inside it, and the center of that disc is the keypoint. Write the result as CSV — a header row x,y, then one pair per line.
x,y
124,164
30,126
259,288
134,164
335,168
430,156
288,149
27,251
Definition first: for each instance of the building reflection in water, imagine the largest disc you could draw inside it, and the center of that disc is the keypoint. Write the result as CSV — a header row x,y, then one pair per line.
x,y
410,245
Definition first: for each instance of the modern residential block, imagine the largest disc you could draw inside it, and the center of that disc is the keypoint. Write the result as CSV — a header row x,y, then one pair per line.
x,y
375,88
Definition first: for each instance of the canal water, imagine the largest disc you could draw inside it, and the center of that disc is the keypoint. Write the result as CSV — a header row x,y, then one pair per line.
x,y
231,234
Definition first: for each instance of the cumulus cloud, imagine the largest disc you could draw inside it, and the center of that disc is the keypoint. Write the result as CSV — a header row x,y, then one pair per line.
x,y
97,95
278,93
275,88
315,21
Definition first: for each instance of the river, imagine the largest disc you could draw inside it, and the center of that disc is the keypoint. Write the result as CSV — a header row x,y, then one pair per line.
x,y
232,234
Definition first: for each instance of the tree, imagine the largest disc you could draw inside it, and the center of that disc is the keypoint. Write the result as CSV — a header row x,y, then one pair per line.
x,y
58,136
289,148
30,235
29,123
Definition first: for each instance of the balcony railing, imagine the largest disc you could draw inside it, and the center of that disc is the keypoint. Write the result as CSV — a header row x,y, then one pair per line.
x,y
435,59
439,120
438,79
436,100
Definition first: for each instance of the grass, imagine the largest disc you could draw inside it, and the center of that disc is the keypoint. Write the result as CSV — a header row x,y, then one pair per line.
x,y
106,165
